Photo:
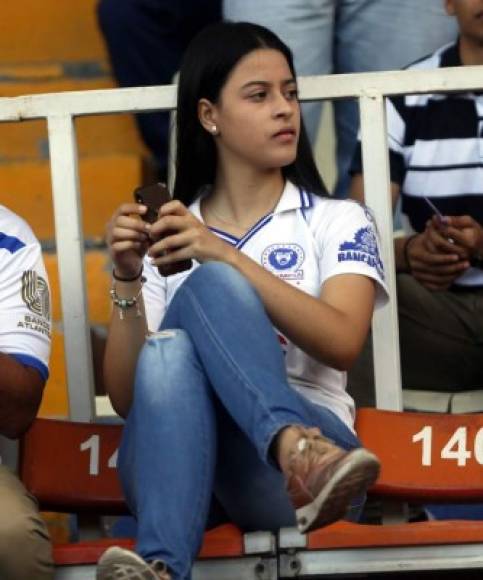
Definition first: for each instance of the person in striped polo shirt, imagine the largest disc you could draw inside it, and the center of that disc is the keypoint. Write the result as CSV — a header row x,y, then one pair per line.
x,y
436,163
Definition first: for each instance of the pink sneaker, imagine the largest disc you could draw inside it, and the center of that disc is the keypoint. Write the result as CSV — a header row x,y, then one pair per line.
x,y
322,479
120,564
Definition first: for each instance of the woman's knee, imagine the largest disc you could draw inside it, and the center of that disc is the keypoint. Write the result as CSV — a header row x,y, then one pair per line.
x,y
166,364
172,343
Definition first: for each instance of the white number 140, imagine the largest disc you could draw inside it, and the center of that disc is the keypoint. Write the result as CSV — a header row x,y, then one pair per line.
x,y
456,448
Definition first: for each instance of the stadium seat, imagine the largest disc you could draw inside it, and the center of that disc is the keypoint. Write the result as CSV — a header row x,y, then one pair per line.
x,y
424,457
70,467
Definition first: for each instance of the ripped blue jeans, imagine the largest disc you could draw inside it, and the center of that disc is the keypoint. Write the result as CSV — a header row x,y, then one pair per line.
x,y
210,394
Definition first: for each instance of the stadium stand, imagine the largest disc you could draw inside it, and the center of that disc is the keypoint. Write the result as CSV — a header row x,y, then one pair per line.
x,y
81,478
69,465
59,48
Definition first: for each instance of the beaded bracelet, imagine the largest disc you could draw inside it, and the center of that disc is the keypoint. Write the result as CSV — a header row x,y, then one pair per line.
x,y
125,303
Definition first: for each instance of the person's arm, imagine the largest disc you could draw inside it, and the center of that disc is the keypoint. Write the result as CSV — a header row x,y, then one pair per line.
x,y
433,266
21,390
25,329
331,328
125,339
127,241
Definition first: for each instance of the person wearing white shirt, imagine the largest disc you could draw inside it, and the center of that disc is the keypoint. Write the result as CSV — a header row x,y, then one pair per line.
x,y
25,550
238,391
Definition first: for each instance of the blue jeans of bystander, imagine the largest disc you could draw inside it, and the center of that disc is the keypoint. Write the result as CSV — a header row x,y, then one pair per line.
x,y
348,36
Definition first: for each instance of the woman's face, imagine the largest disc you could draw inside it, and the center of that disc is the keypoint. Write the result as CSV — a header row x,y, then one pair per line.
x,y
258,115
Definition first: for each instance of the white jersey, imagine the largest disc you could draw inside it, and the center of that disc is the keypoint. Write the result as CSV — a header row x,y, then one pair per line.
x,y
305,241
24,295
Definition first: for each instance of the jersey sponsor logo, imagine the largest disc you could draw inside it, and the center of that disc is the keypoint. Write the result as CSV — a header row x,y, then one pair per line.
x,y
284,260
363,249
35,294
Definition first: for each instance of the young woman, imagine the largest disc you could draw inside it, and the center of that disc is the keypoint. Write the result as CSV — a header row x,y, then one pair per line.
x,y
231,375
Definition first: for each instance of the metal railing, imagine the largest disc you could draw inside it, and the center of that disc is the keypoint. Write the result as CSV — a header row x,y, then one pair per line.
x,y
60,110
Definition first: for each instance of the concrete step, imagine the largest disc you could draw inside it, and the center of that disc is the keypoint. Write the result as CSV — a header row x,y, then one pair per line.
x,y
106,182
50,30
96,135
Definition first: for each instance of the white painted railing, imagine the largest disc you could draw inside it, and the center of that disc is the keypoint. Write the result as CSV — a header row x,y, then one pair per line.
x,y
60,110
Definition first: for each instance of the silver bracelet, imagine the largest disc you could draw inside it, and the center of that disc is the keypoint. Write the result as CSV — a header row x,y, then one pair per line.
x,y
125,303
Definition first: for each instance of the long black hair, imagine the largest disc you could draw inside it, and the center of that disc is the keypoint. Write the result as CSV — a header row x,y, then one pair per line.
x,y
207,63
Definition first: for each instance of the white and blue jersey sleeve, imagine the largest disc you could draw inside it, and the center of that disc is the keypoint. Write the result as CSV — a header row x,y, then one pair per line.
x,y
25,323
348,243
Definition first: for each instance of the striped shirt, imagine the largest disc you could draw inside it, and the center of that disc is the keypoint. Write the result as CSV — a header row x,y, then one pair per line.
x,y
436,151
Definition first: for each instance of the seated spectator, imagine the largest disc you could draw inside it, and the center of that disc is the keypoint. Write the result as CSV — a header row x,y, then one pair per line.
x,y
435,161
25,550
218,402
348,36
146,40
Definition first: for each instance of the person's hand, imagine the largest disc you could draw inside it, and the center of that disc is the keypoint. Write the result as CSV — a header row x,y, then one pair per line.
x,y
466,232
436,270
439,241
127,238
179,235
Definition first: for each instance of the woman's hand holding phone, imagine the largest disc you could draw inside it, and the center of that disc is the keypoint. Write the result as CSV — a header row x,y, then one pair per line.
x,y
178,235
154,197
128,240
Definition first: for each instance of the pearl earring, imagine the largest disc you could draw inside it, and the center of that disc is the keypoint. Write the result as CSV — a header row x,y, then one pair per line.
x,y
214,129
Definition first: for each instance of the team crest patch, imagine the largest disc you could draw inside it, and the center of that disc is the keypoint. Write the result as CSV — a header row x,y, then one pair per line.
x,y
284,260
363,249
35,294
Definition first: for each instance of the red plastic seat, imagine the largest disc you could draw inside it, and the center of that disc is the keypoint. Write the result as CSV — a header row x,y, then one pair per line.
x,y
424,457
225,541
70,467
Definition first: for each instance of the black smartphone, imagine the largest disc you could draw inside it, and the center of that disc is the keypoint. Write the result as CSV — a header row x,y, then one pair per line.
x,y
153,197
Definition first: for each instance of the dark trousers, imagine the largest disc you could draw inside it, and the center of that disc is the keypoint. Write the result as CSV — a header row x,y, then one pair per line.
x,y
146,40
441,340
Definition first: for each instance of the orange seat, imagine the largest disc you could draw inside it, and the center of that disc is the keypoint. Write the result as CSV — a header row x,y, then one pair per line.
x,y
225,541
350,535
424,457
70,467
